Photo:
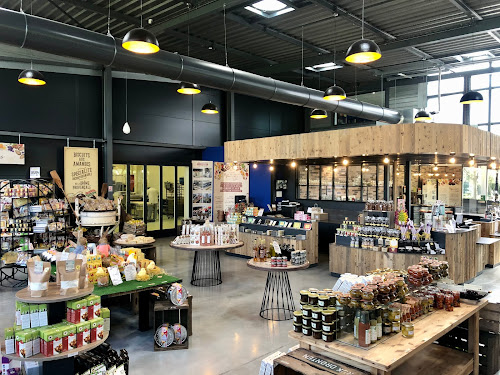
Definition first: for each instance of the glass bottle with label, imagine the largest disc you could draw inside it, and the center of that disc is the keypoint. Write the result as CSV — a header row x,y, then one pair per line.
x,y
356,323
256,252
262,249
364,336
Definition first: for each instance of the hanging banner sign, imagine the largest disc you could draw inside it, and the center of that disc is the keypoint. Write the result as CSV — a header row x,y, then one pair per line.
x,y
12,153
81,170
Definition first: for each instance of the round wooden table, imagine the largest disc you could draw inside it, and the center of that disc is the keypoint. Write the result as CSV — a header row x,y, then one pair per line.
x,y
277,303
206,264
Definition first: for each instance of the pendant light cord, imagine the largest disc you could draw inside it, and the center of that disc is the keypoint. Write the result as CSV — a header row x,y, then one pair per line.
x,y
141,14
225,34
363,21
356,83
21,7
109,17
189,14
302,58
334,50
126,96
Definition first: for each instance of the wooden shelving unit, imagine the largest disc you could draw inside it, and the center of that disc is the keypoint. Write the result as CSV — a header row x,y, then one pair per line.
x,y
53,295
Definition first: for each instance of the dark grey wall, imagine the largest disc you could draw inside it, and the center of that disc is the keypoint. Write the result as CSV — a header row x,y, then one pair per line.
x,y
157,113
256,118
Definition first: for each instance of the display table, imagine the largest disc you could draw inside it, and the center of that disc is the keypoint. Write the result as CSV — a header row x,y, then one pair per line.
x,y
398,355
53,294
8,273
206,264
278,294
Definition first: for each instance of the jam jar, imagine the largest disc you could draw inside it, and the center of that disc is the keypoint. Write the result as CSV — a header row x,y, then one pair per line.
x,y
306,310
324,301
316,324
329,327
448,301
407,330
328,337
383,288
327,316
367,305
333,299
354,303
297,327
307,331
306,322
439,301
396,327
355,291
316,313
399,281
344,299
304,296
456,298
394,314
317,333
367,294
313,299
297,317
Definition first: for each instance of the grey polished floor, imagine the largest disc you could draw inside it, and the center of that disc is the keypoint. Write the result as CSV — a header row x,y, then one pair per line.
x,y
229,337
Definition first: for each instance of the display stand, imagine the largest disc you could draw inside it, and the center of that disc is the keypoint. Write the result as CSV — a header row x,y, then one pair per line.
x,y
206,265
417,356
277,303
53,295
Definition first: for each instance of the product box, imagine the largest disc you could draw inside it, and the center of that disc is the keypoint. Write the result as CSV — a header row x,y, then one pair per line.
x,y
18,313
10,337
57,343
106,316
47,341
25,316
96,329
76,311
93,307
24,343
35,339
64,336
43,317
82,334
71,337
34,316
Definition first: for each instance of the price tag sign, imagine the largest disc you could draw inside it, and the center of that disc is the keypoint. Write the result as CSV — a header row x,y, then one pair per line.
x,y
276,246
38,266
70,265
35,172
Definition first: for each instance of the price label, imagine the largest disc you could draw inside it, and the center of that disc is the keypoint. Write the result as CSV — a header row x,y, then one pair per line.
x,y
276,247
70,265
38,266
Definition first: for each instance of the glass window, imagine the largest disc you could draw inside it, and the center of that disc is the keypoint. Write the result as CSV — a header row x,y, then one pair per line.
x,y
380,188
492,177
495,64
302,191
153,197
182,193
495,79
448,86
326,182
314,171
369,173
474,183
354,183
451,109
340,175
136,186
480,81
120,183
495,105
479,111
168,198
483,127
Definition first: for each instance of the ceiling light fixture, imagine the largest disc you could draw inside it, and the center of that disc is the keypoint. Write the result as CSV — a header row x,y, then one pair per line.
x,y
140,40
254,165
187,88
318,114
334,92
493,164
271,168
422,116
386,159
471,97
435,168
453,160
471,160
31,77
269,8
364,50
294,164
345,161
210,109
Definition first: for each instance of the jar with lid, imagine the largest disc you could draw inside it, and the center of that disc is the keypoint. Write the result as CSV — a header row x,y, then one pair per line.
x,y
306,310
316,313
329,327
456,298
448,301
333,299
439,301
328,316
306,322
394,314
344,299
317,333
306,331
367,305
387,328
408,330
396,326
328,337
430,299
324,301
354,303
367,294
297,317
313,299
399,281
297,327
304,296
383,288
316,324
355,292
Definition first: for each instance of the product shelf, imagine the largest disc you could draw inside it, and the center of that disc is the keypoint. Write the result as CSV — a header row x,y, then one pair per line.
x,y
70,353
53,295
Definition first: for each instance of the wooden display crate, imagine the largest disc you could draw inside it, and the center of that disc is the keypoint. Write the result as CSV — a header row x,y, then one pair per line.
x,y
166,312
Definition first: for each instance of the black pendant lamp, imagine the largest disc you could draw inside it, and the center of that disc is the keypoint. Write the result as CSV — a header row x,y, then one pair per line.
x,y
471,97
210,109
31,77
140,40
187,88
334,92
423,115
364,50
318,114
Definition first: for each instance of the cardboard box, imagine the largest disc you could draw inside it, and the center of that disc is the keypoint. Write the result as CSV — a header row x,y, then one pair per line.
x,y
34,316
25,316
82,334
93,307
43,318
106,316
35,339
10,337
24,343
96,329
76,311
71,337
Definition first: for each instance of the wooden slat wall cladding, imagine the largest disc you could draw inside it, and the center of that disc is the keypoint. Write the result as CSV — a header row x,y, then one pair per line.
x,y
419,138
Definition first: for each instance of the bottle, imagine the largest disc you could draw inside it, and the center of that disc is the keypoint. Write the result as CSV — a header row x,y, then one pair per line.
x,y
373,330
364,336
356,323
256,256
379,326
262,248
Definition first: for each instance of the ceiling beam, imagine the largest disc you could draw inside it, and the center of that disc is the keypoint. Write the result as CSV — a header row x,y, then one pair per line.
x,y
197,13
462,6
66,14
485,25
274,33
87,5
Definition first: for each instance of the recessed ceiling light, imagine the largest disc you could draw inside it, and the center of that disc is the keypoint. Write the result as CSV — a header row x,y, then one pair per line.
x,y
324,67
269,8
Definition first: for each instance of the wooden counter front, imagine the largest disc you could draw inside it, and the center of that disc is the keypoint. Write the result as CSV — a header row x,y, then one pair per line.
x,y
461,254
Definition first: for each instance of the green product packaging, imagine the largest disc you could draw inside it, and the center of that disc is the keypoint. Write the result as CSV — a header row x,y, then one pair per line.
x,y
34,316
18,328
106,315
24,343
35,339
10,345
25,316
18,312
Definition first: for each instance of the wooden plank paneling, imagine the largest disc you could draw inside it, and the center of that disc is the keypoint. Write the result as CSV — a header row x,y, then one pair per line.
x,y
418,138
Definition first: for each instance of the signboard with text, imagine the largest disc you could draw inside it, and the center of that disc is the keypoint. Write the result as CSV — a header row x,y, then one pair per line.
x,y
81,170
12,153
230,180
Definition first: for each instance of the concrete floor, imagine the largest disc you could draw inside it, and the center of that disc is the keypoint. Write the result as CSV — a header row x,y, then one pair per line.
x,y
229,337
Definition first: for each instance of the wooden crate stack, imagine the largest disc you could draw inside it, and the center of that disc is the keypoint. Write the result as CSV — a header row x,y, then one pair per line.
x,y
167,312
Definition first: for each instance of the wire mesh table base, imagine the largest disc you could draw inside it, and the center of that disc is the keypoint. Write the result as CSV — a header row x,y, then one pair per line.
x,y
277,303
206,269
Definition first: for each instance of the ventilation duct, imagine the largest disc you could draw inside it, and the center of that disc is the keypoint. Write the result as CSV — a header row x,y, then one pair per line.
x,y
31,32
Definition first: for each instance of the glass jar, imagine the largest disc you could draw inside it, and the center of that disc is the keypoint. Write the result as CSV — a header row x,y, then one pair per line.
x,y
327,316
396,326
316,324
329,327
324,301
306,322
448,301
328,337
430,299
439,301
344,299
354,303
297,327
394,314
387,328
307,331
367,305
456,298
367,294
297,317
306,310
313,299
316,313
355,291
384,299
316,333
407,330
399,281
304,296
383,288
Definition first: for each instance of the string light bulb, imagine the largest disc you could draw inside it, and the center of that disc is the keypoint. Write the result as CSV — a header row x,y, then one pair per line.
x,y
271,168
471,160
345,161
294,164
453,160
254,165
386,159
435,168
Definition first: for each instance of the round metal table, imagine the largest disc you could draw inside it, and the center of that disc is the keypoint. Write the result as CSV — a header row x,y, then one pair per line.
x,y
206,264
277,303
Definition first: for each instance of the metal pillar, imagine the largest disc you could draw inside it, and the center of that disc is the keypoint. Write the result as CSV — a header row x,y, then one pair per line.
x,y
107,127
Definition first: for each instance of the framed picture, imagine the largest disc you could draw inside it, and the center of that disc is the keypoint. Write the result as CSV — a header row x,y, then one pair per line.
x,y
307,226
281,184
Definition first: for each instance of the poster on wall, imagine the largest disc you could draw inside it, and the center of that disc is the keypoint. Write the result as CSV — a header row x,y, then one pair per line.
x,y
81,171
202,198
231,181
12,153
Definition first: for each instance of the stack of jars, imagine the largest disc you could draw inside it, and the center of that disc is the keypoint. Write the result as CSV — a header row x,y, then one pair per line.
x,y
419,275
318,316
437,269
443,299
